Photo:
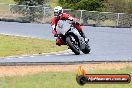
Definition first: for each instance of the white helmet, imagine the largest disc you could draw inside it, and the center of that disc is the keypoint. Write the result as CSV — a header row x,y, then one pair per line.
x,y
57,10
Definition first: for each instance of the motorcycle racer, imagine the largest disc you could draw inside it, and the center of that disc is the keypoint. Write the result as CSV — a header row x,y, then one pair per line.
x,y
59,15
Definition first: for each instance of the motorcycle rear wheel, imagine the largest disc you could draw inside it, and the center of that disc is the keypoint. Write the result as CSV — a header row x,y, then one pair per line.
x,y
87,49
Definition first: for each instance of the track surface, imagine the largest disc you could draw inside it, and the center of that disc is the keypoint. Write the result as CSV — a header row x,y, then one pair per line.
x,y
107,44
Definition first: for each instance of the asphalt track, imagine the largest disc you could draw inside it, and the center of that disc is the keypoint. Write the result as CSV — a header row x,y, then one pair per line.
x,y
107,44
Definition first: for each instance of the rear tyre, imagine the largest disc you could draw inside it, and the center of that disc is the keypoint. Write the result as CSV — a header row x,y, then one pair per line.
x,y
72,46
87,49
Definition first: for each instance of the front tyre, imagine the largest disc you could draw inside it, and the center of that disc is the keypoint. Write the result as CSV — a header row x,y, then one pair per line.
x,y
72,45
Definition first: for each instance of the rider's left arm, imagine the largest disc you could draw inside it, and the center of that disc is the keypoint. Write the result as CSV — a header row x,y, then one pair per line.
x,y
68,17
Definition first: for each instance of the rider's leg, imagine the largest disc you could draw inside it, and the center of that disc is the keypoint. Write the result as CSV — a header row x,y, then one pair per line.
x,y
78,27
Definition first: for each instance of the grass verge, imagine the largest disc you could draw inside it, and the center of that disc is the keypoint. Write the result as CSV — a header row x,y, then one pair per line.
x,y
7,1
12,45
59,80
52,3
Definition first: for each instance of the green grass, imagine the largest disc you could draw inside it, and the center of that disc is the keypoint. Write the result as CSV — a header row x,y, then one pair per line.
x,y
7,1
52,3
4,5
11,45
58,80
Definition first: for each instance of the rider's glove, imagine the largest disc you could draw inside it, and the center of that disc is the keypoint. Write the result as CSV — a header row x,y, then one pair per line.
x,y
54,32
75,22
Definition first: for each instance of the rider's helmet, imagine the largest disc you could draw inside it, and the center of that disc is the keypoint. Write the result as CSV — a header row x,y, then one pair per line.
x,y
57,11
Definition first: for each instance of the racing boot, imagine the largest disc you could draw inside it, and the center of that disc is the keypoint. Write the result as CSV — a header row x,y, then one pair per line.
x,y
58,42
83,35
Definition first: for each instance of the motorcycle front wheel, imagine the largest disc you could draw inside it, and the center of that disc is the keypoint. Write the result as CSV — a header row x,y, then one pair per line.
x,y
73,46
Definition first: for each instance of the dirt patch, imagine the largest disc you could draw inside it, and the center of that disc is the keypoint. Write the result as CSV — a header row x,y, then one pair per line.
x,y
26,70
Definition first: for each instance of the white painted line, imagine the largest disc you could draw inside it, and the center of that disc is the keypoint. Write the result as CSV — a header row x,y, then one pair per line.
x,y
31,56
47,55
35,54
28,36
8,58
20,57
43,54
24,55
66,53
58,54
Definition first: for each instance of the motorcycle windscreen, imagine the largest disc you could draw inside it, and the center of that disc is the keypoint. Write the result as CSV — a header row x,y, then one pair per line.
x,y
62,27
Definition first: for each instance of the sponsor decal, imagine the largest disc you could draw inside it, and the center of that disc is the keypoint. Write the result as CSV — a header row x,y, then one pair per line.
x,y
83,78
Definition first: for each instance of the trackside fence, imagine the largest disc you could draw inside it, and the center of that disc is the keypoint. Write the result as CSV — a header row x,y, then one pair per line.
x,y
43,14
